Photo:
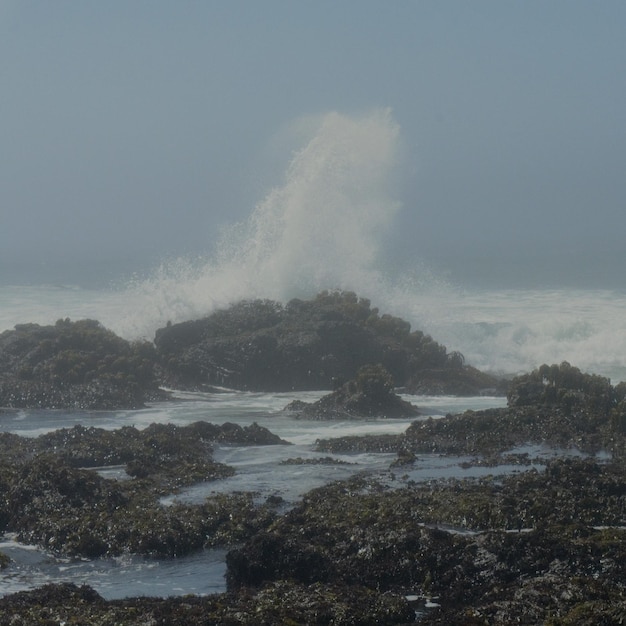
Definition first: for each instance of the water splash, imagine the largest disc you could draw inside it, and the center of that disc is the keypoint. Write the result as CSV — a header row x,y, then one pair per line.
x,y
320,229
323,228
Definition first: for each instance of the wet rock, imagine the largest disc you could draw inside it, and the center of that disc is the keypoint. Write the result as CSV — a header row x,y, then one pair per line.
x,y
252,434
326,460
463,380
578,411
370,394
279,603
265,346
51,500
521,549
75,365
404,458
564,386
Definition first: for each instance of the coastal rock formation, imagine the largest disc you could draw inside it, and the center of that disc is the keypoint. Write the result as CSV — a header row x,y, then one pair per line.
x,y
257,345
544,545
563,409
280,603
75,365
564,386
51,499
370,394
262,345
533,545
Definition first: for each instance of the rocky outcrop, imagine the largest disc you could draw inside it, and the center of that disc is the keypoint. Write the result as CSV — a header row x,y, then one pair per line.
x,y
280,603
563,386
541,546
499,551
254,345
563,409
51,499
75,365
305,345
370,394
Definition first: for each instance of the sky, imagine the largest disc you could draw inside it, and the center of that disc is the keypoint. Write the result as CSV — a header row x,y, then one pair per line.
x,y
135,131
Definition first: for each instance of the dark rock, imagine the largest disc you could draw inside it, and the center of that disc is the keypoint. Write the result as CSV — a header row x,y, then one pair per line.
x,y
50,499
75,365
326,460
564,386
264,346
253,434
555,405
370,394
4,561
268,556
459,381
278,603
404,458
535,544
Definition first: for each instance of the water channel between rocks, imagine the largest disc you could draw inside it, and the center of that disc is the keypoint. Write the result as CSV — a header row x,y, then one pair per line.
x,y
259,469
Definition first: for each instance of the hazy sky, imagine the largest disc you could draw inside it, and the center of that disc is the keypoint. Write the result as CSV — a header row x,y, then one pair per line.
x,y
133,130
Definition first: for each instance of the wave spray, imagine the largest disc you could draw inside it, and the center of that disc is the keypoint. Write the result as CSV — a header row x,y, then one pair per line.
x,y
320,229
323,227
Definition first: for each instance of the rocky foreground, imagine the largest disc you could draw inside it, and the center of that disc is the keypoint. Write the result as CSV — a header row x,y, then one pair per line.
x,y
546,545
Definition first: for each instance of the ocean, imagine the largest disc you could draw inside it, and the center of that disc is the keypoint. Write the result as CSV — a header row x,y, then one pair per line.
x,y
328,225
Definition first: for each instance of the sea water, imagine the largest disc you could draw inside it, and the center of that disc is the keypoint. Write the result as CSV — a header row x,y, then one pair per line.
x,y
259,469
321,228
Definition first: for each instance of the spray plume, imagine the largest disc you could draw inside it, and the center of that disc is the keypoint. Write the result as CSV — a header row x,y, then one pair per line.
x,y
320,229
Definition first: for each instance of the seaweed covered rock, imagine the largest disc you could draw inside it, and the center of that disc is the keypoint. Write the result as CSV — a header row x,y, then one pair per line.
x,y
557,406
351,533
51,499
370,394
264,346
564,386
279,603
75,365
499,551
491,432
160,444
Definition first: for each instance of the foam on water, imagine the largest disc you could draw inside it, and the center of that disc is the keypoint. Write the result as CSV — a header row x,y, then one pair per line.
x,y
515,331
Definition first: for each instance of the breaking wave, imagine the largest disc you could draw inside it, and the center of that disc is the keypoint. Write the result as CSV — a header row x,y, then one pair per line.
x,y
322,228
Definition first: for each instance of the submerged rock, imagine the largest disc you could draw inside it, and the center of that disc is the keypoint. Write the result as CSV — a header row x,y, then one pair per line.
x,y
370,394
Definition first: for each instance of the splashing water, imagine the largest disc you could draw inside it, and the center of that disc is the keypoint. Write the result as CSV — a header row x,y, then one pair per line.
x,y
320,229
